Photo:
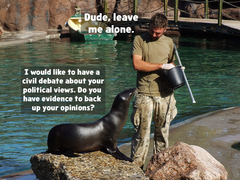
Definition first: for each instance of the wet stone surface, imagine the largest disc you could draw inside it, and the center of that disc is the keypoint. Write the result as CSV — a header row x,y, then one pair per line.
x,y
94,165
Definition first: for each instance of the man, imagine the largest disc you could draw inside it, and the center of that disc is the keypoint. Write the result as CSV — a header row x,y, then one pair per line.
x,y
152,53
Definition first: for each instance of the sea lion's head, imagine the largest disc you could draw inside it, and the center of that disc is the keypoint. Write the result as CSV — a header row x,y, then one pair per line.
x,y
123,99
127,94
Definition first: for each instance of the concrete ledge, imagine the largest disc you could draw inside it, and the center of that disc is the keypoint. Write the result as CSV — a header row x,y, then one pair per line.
x,y
13,38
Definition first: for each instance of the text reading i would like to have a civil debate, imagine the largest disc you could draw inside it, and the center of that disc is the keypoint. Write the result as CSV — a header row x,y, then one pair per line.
x,y
61,90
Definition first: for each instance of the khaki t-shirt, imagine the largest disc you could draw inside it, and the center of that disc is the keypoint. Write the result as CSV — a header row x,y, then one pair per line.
x,y
159,51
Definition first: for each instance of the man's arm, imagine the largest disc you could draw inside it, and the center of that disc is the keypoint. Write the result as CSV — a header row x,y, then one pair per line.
x,y
140,65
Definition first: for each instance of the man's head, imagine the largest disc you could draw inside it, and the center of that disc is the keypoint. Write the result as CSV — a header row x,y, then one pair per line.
x,y
158,25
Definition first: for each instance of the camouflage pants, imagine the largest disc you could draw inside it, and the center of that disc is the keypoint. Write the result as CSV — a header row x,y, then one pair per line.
x,y
162,110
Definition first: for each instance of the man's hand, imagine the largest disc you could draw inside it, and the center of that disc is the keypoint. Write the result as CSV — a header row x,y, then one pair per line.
x,y
168,66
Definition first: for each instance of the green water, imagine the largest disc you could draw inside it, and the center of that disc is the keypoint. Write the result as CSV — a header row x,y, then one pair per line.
x,y
212,69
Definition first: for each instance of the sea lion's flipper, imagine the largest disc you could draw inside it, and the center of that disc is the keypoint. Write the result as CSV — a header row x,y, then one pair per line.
x,y
117,154
110,144
121,156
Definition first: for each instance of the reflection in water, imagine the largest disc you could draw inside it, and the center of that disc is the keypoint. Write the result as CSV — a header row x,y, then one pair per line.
x,y
212,70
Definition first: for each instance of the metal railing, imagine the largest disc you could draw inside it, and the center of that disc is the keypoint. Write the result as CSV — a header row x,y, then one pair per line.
x,y
207,10
135,7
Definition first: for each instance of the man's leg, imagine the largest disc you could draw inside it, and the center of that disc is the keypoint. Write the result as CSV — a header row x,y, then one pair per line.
x,y
164,112
141,119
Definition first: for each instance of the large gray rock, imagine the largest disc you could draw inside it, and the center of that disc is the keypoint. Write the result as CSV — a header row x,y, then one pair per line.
x,y
93,165
183,161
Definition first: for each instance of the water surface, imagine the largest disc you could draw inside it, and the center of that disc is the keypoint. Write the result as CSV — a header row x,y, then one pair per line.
x,y
212,70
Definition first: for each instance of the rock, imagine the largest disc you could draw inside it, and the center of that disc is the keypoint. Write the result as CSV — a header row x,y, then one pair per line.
x,y
183,161
93,165
34,15
231,13
228,13
1,31
42,15
195,10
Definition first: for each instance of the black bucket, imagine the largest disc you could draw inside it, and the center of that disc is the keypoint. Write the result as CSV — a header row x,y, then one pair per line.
x,y
175,77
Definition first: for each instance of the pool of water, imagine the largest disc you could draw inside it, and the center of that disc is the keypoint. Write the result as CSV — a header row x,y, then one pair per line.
x,y
212,70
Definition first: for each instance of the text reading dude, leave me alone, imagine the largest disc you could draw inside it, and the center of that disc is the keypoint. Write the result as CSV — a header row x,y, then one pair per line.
x,y
105,18
101,17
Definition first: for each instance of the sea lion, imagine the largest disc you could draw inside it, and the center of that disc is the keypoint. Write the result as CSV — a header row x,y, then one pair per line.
x,y
96,135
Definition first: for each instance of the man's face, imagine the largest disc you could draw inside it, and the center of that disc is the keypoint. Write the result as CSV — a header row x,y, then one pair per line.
x,y
156,33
